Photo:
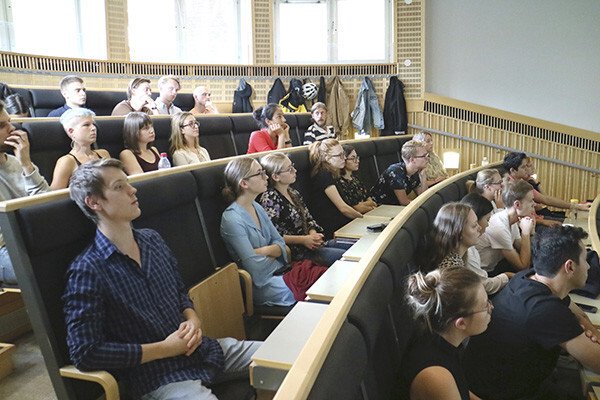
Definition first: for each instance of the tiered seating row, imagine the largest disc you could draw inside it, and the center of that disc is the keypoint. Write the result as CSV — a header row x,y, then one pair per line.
x,y
223,135
44,233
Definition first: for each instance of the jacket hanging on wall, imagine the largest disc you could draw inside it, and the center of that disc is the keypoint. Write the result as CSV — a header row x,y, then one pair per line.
x,y
241,98
367,113
338,106
276,93
394,110
293,101
322,94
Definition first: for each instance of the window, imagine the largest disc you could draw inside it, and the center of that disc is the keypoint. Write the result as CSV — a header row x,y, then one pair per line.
x,y
68,28
190,31
333,31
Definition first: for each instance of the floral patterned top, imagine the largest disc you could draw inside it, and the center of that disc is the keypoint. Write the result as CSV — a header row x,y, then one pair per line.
x,y
290,218
351,190
394,178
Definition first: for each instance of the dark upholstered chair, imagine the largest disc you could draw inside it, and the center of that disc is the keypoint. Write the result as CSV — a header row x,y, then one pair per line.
x,y
48,142
242,128
45,100
449,193
388,153
367,172
304,121
302,165
432,206
292,121
102,102
344,369
216,136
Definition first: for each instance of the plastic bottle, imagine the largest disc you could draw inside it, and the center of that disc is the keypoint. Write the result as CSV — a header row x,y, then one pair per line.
x,y
164,161
574,210
484,161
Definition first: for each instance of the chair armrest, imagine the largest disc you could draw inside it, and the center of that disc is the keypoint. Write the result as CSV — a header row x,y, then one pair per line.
x,y
103,378
247,279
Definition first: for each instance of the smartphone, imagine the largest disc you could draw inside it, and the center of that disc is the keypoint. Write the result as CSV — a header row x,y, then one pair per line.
x,y
377,227
588,308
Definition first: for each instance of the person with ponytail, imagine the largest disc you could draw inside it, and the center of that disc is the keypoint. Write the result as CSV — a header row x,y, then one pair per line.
x,y
274,133
488,184
451,305
327,159
291,217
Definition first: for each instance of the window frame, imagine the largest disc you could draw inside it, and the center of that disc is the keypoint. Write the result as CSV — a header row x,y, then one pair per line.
x,y
332,37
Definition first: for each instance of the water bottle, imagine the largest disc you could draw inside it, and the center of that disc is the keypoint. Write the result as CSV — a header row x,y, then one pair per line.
x,y
484,161
574,203
164,161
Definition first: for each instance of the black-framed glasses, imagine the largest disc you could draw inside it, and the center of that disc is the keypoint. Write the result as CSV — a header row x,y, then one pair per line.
x,y
353,158
291,168
194,123
340,155
487,309
262,173
423,156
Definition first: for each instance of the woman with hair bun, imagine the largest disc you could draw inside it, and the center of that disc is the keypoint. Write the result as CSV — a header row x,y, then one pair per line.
x,y
274,133
452,305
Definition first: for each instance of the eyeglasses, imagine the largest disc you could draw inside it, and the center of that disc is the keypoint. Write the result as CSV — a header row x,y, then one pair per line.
x,y
194,123
423,156
340,155
354,158
487,309
262,173
497,183
290,169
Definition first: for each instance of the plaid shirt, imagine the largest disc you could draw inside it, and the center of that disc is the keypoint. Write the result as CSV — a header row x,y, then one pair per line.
x,y
112,307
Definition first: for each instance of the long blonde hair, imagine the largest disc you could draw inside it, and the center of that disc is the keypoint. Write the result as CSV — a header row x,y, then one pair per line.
x,y
318,152
177,138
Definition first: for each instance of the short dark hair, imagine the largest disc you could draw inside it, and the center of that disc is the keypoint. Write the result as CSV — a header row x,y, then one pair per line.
x,y
480,205
513,161
132,124
67,80
553,246
262,114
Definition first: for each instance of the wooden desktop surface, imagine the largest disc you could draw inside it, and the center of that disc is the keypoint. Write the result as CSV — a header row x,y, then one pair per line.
x,y
328,284
357,228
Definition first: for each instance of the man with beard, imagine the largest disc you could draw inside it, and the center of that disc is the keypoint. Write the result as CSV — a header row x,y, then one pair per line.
x,y
318,131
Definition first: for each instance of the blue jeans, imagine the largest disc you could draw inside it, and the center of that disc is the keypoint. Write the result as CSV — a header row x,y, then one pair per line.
x,y
7,272
330,252
238,355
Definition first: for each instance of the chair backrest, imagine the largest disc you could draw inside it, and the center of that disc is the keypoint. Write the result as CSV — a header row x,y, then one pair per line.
x,y
216,136
242,128
219,304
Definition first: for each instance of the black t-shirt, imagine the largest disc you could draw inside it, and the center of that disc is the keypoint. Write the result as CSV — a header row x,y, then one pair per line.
x,y
522,343
394,178
431,350
323,210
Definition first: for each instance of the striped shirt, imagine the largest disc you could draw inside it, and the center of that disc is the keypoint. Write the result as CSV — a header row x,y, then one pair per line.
x,y
315,133
112,307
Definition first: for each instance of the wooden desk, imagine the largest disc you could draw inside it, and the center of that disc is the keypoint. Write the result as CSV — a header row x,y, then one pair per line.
x,y
275,357
359,249
588,377
357,228
385,210
328,284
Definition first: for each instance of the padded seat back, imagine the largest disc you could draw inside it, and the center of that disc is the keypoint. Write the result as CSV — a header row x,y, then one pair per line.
x,y
291,120
102,102
388,153
243,126
302,165
45,100
185,101
162,130
367,172
216,136
48,142
304,121
432,206
110,135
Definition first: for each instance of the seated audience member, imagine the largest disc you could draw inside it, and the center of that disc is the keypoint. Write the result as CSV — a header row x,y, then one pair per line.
x,y
327,158
185,146
16,106
534,320
72,89
451,305
351,189
398,180
202,102
435,171
502,239
168,86
253,241
110,301
19,177
79,125
519,166
318,131
138,99
139,154
274,133
483,210
490,185
286,208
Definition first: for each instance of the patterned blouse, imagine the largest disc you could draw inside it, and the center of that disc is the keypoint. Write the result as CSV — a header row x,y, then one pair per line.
x,y
290,218
394,178
351,190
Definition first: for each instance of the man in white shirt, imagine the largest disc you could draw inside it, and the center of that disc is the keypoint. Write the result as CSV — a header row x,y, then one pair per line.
x,y
168,86
502,239
202,102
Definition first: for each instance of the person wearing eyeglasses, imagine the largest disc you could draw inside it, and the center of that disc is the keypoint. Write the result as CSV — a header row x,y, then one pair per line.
x,y
327,159
288,212
185,146
400,179
534,321
450,305
274,132
490,185
350,187
435,171
202,102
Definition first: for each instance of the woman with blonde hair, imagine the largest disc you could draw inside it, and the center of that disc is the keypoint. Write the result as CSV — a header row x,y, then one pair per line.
x,y
291,217
79,125
327,159
185,146
452,305
489,184
138,134
435,171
